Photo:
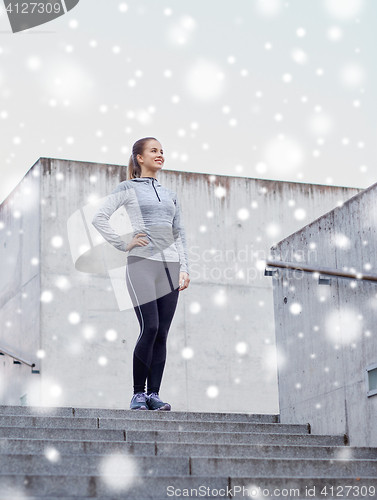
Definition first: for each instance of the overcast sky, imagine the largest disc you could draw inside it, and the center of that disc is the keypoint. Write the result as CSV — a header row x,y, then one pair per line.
x,y
256,88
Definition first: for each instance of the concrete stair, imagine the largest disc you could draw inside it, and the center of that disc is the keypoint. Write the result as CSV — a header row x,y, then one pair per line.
x,y
80,453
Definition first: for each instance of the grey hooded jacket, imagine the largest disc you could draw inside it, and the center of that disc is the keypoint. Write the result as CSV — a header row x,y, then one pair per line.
x,y
153,210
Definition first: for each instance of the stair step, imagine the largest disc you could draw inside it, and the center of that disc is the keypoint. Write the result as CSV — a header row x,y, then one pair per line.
x,y
85,487
264,451
147,424
75,447
145,448
199,437
123,465
280,467
117,464
62,433
68,411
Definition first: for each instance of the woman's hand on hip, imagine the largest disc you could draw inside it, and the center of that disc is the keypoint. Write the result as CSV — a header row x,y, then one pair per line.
x,y
137,241
184,280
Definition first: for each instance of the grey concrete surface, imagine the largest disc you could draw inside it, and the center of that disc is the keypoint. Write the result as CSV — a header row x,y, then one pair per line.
x,y
62,433
81,447
85,467
326,334
320,468
148,424
20,446
65,411
170,436
225,318
290,488
306,487
71,465
20,287
222,438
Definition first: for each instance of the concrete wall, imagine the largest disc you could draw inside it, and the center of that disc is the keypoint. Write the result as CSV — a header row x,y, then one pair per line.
x,y
20,289
221,345
326,334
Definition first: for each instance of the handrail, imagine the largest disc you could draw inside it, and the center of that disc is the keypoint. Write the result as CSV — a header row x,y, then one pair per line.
x,y
18,358
320,270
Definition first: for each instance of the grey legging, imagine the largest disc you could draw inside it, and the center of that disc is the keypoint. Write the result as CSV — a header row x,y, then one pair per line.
x,y
153,288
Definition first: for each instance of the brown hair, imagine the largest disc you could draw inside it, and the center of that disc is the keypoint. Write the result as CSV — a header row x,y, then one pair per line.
x,y
134,169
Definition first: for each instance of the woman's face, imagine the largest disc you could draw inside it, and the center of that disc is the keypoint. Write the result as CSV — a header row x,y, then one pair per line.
x,y
152,157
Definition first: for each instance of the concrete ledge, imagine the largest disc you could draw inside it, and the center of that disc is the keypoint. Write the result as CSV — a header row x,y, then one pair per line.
x,y
58,487
185,466
234,438
145,448
67,411
167,436
147,424
238,467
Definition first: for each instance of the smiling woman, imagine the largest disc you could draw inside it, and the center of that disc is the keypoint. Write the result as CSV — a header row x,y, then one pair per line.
x,y
146,153
157,266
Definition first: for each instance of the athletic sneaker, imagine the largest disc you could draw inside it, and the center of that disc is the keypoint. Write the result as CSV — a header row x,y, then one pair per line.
x,y
138,401
154,402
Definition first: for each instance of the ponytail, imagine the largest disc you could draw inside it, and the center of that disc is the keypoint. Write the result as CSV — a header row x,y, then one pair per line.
x,y
132,171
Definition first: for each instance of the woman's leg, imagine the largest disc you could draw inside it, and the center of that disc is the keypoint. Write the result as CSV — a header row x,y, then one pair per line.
x,y
140,278
166,306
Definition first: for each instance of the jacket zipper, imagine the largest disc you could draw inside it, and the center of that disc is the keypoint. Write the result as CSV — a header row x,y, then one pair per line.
x,y
155,190
162,253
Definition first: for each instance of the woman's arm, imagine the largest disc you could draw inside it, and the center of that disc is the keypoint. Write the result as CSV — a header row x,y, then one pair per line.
x,y
180,237
101,219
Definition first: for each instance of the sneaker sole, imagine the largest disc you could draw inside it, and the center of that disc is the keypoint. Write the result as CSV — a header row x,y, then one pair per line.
x,y
166,407
140,408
